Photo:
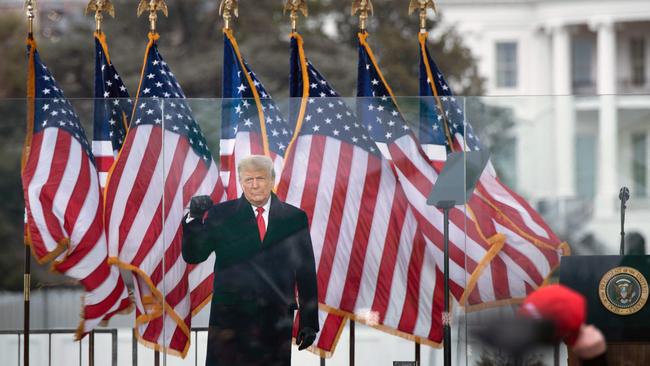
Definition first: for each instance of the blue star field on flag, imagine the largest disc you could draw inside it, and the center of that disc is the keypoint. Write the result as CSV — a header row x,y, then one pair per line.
x,y
326,113
161,102
52,109
112,104
239,113
433,120
375,105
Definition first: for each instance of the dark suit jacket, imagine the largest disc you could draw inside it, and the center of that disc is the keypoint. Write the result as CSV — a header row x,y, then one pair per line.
x,y
253,276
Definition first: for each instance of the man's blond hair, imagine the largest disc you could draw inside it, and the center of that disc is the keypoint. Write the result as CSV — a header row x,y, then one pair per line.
x,y
256,162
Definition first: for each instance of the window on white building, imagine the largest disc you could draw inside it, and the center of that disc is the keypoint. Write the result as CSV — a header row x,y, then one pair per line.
x,y
506,63
638,61
582,64
586,165
639,162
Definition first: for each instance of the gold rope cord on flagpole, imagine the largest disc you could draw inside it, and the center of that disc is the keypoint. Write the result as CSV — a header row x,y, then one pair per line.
x,y
153,6
422,6
295,6
363,7
99,7
227,9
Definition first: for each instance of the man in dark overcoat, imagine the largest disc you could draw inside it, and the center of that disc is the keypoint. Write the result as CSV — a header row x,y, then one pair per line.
x,y
263,253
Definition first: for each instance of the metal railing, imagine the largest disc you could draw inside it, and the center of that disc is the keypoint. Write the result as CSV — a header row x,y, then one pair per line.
x,y
91,344
50,332
134,345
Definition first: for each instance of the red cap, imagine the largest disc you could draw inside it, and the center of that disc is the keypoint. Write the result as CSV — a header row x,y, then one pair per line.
x,y
566,308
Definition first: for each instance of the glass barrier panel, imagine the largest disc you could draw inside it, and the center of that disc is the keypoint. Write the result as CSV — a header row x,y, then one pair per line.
x,y
362,170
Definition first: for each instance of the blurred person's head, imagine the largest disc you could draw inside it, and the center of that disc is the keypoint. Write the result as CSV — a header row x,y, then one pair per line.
x,y
564,307
550,314
567,310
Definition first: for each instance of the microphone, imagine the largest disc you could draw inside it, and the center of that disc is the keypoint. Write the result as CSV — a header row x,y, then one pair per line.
x,y
624,195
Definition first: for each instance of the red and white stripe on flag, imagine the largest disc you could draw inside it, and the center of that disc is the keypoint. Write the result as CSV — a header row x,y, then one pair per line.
x,y
64,221
147,194
104,157
508,265
525,251
372,262
63,201
498,266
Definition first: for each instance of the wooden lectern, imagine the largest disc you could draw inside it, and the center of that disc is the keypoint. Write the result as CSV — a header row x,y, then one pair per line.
x,y
616,288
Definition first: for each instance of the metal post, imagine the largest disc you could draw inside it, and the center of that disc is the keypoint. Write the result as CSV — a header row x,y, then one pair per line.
x,y
156,360
417,354
91,348
114,347
446,316
351,342
26,293
134,349
80,351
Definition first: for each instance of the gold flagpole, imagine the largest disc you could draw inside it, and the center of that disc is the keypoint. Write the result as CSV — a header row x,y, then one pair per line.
x,y
97,6
100,7
30,8
422,6
363,7
295,6
227,9
153,6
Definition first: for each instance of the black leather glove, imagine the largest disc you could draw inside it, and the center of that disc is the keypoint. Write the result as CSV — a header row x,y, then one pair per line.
x,y
199,205
306,336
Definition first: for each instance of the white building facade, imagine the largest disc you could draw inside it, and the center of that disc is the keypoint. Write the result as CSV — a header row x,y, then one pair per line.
x,y
576,74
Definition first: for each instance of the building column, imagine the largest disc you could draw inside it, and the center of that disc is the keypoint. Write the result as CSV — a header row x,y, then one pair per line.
x,y
607,184
564,111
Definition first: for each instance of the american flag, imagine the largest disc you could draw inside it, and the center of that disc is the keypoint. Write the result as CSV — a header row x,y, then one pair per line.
x,y
245,104
471,249
112,110
531,251
63,201
164,162
373,264
251,121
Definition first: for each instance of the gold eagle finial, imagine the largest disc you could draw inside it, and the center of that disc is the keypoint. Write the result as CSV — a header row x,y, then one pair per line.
x,y
364,7
153,6
422,5
30,8
227,9
295,6
99,7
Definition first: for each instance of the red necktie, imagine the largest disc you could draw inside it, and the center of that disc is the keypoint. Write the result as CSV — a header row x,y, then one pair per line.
x,y
260,222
